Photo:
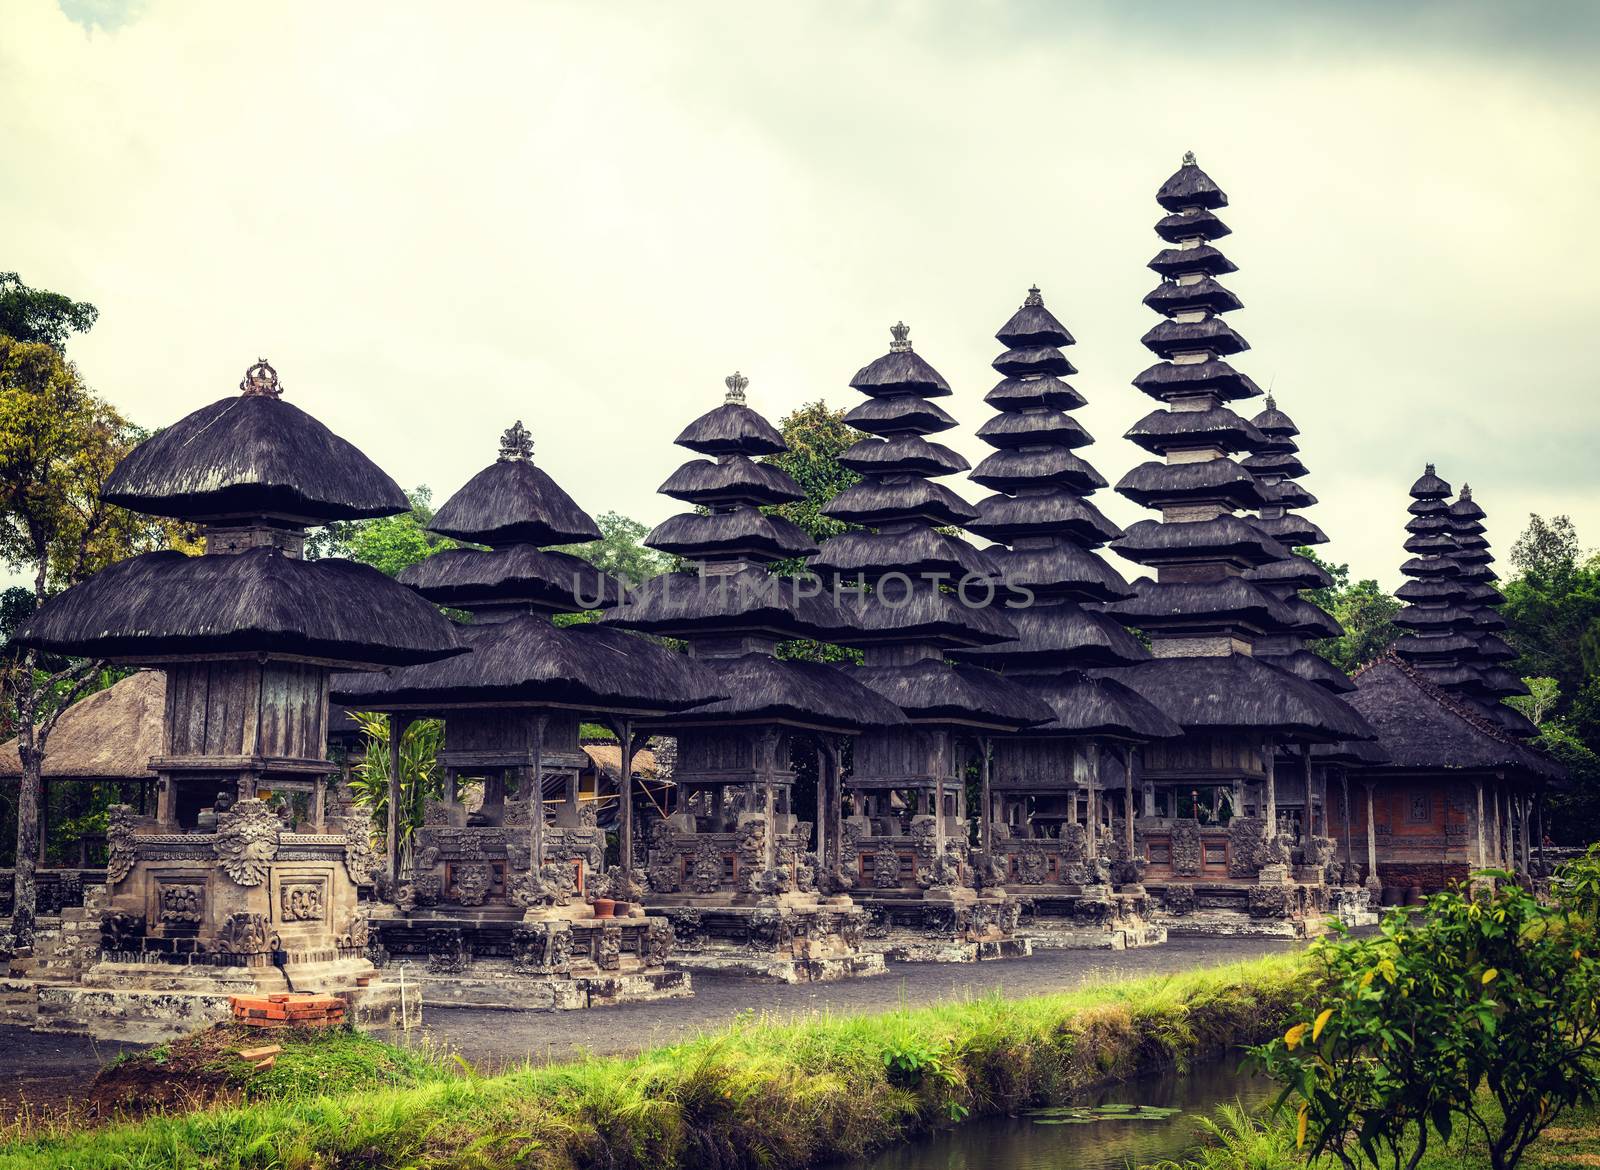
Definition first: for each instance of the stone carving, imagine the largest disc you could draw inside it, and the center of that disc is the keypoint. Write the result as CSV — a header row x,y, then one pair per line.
x,y
435,813
609,956
529,942
1271,901
705,874
120,932
181,905
1247,847
447,952
246,934
300,902
247,841
657,942
1186,849
886,868
472,883
119,843
1178,900
662,876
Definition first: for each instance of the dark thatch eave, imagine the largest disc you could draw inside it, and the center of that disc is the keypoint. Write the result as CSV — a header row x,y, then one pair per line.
x,y
1010,470
1189,186
252,456
1056,513
1423,727
731,429
1063,569
751,600
1216,480
1191,607
900,372
1429,486
1033,325
1313,668
1446,645
1176,261
872,503
1290,530
1310,620
737,532
861,553
1296,570
518,572
788,692
1032,360
1161,431
1223,538
1235,692
1098,708
921,613
526,661
940,693
902,455
513,502
1063,635
1168,339
902,414
1275,423
109,735
1275,463
1195,225
1022,393
1203,294
734,479
165,605
1035,428
1169,380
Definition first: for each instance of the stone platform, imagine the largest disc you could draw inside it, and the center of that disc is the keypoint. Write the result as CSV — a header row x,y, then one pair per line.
x,y
796,938
943,926
1079,921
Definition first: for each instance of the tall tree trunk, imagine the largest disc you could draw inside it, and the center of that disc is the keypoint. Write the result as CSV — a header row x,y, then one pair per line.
x,y
25,892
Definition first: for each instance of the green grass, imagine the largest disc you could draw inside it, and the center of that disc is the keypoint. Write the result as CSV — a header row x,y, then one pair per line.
x,y
759,1093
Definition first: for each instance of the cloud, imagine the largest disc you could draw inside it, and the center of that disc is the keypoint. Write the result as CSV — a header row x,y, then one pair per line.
x,y
436,220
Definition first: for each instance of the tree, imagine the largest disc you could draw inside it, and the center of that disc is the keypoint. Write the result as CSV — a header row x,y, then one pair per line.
x,y
390,544
816,437
1540,701
1364,610
32,314
621,552
420,778
58,443
1547,550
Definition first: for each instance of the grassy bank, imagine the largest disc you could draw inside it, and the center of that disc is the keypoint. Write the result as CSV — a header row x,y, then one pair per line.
x,y
760,1093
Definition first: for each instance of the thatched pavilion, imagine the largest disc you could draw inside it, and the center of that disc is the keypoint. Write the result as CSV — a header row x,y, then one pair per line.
x,y
506,902
1044,824
906,840
733,866
1205,618
218,891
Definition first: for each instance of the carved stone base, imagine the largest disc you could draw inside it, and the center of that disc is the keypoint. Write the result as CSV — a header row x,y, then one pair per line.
x,y
945,926
1081,921
796,938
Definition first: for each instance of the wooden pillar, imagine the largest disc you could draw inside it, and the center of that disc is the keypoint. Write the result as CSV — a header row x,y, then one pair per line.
x,y
537,812
397,729
623,729
1499,843
1538,812
319,804
1127,801
1372,834
820,829
1308,828
941,765
769,754
1091,753
1478,826
1523,817
1269,761
986,807
1344,781
835,803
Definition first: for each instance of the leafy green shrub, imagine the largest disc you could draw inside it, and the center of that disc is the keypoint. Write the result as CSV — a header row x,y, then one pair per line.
x,y
1477,1011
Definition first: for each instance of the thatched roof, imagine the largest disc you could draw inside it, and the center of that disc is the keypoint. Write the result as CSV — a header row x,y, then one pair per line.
x,y
513,502
732,479
251,456
936,692
1424,728
1203,259
900,371
1058,512
1192,225
1313,668
763,690
1101,708
1167,380
873,502
1021,393
543,579
863,553
1038,426
1167,339
1202,294
906,454
728,535
1033,324
109,735
1234,692
607,759
1034,359
1009,470
1187,606
900,414
1055,637
1225,538
749,601
1161,431
732,428
164,604
1214,480
1062,570
1189,186
526,661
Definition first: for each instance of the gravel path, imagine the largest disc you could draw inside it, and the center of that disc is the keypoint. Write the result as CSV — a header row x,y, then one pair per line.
x,y
491,1039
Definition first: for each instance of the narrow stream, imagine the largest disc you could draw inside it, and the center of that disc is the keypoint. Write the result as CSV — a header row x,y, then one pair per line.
x,y
1029,1143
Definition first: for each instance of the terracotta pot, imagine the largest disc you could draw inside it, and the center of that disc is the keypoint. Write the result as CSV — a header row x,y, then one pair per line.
x,y
605,907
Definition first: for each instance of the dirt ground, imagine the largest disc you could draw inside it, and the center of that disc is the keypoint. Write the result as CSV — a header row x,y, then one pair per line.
x,y
38,1070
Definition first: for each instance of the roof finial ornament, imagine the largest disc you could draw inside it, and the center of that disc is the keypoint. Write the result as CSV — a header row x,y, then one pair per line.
x,y
1466,492
1188,158
736,382
1034,301
261,381
1429,470
901,332
1272,402
516,444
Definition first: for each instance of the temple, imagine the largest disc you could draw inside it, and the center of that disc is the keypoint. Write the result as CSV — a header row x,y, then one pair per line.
x,y
906,843
1043,821
505,896
1212,839
232,883
732,866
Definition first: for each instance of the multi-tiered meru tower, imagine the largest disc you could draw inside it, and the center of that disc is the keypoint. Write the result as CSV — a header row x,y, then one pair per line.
x,y
926,592
503,895
1214,837
234,885
1047,831
733,866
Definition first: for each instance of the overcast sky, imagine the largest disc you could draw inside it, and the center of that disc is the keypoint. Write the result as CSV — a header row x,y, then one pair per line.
x,y
437,218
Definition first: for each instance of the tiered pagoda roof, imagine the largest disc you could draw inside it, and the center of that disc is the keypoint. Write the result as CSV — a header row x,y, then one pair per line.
x,y
1277,466
254,472
907,621
1042,512
1439,628
518,656
729,605
1205,609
